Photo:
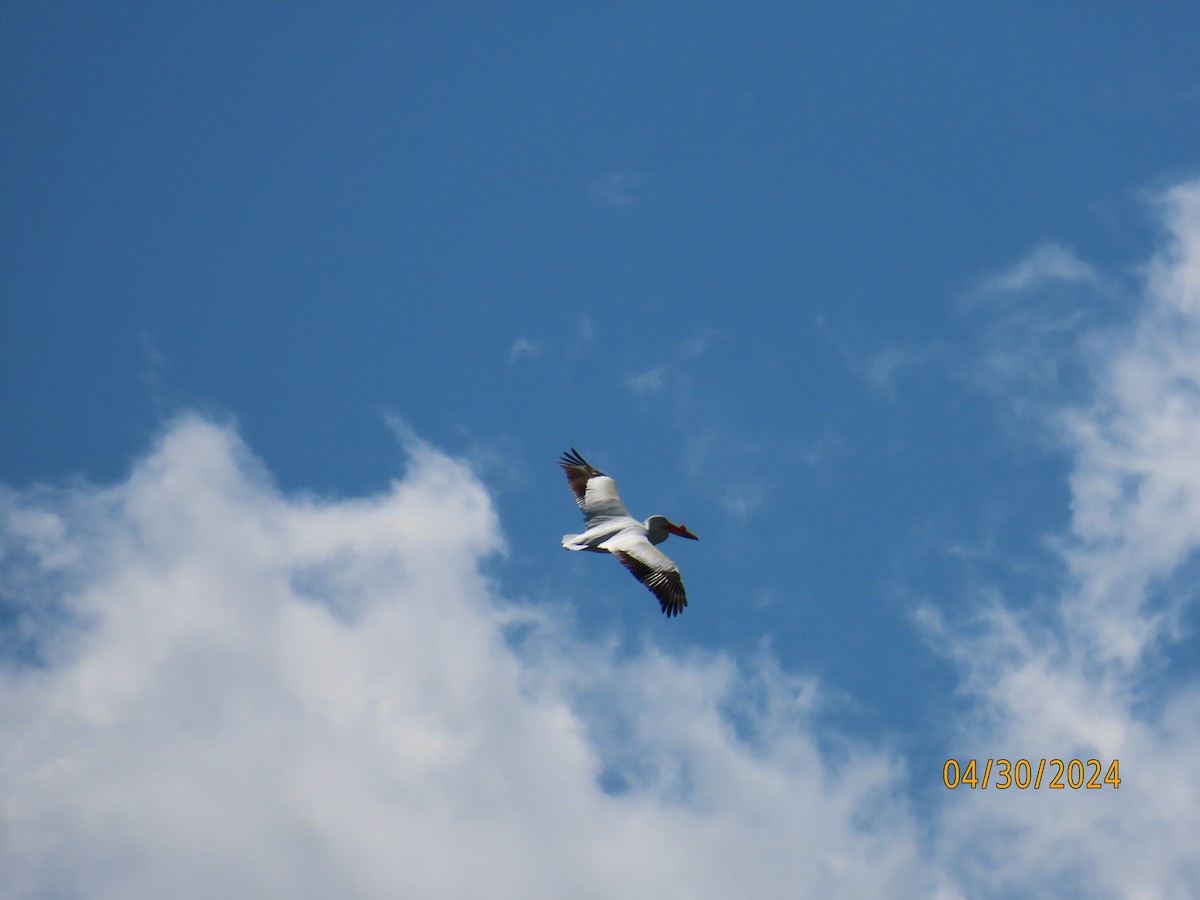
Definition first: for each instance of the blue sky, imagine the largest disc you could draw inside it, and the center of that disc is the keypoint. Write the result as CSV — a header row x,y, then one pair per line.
x,y
894,304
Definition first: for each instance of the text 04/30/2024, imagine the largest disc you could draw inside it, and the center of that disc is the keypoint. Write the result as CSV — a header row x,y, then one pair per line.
x,y
1056,774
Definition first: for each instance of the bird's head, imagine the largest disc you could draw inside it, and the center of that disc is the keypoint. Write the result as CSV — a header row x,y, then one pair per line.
x,y
659,527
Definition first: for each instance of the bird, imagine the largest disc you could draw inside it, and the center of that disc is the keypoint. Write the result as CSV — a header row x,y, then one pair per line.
x,y
610,529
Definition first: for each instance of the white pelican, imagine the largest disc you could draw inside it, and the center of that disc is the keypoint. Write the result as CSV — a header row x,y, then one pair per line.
x,y
610,529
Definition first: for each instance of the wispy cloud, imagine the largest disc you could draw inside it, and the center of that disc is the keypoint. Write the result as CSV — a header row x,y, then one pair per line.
x,y
883,369
683,354
1043,313
523,348
698,343
742,499
587,329
1136,512
1074,684
619,189
651,381
154,361
1049,262
880,368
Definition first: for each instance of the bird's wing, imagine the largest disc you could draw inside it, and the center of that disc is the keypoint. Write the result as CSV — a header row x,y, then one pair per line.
x,y
594,491
652,568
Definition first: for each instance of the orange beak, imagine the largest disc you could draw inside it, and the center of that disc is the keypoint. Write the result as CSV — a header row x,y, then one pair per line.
x,y
682,531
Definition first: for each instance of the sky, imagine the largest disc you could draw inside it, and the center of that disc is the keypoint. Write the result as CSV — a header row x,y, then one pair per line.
x,y
895,304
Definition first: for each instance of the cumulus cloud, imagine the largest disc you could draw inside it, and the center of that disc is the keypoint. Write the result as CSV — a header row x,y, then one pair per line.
x,y
209,687
1093,679
229,691
1136,484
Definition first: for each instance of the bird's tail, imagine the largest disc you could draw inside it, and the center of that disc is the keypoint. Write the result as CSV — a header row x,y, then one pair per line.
x,y
569,541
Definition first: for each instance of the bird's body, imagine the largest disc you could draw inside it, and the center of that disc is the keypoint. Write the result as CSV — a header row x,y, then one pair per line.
x,y
610,529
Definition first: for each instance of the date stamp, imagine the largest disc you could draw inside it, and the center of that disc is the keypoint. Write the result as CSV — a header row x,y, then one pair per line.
x,y
1002,774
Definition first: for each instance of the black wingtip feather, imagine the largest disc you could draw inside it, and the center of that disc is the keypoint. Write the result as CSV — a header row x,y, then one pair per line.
x,y
574,460
667,587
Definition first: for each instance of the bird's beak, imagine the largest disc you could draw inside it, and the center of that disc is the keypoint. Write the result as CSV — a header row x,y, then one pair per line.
x,y
682,531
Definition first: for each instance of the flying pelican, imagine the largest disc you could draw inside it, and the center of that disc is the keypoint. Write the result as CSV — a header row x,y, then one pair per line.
x,y
610,529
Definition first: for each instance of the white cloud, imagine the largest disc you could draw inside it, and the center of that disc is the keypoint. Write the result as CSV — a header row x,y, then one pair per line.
x,y
742,499
211,688
651,381
1042,312
1048,262
243,693
523,348
1093,680
699,343
1136,484
881,368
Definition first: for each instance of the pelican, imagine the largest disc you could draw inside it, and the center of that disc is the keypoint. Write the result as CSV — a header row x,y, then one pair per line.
x,y
610,529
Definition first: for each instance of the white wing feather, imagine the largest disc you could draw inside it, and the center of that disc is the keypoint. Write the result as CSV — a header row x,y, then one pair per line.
x,y
651,567
595,493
